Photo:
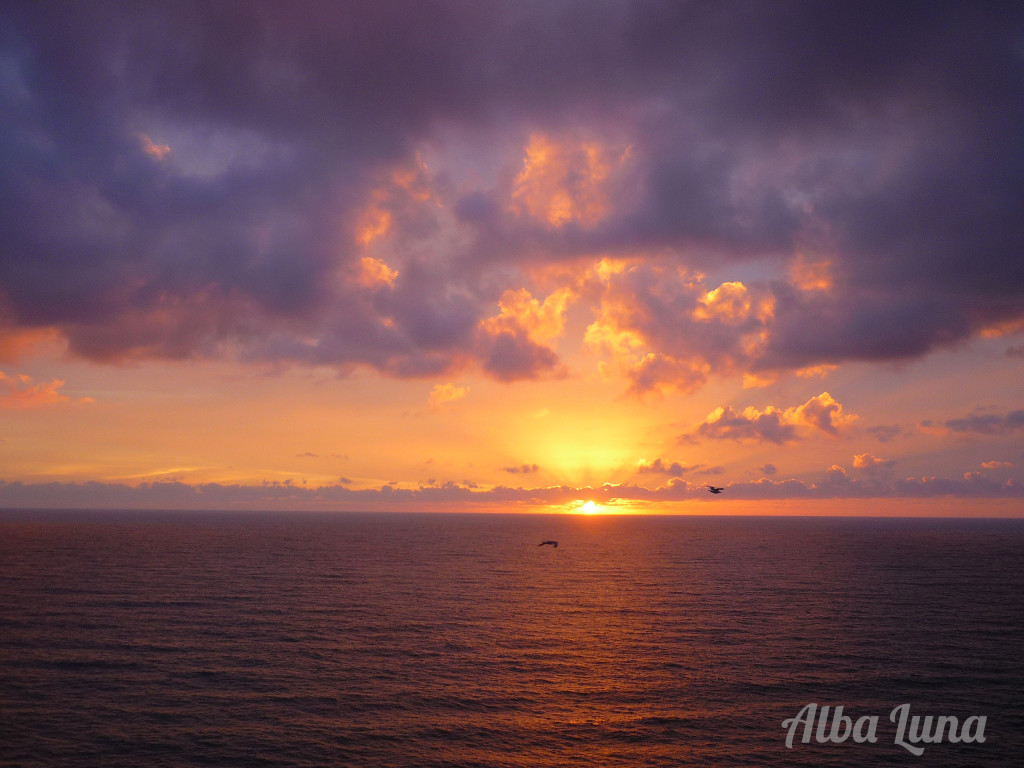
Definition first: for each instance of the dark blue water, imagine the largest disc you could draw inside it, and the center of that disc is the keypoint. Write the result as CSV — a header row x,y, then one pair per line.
x,y
187,639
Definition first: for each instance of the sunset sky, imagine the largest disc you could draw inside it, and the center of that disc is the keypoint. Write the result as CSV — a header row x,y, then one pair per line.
x,y
513,256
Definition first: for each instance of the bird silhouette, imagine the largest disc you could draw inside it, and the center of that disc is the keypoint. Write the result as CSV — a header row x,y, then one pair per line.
x,y
714,489
549,541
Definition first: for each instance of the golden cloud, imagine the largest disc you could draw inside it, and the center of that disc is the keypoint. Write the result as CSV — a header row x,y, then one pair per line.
x,y
374,272
542,322
442,394
821,413
808,275
565,181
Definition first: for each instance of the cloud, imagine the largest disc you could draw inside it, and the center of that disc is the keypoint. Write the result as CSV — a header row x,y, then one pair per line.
x,y
725,423
442,394
667,330
514,343
327,185
513,357
988,424
768,469
996,465
873,467
834,483
868,461
15,344
821,413
564,182
374,272
661,467
156,151
885,433
19,391
522,469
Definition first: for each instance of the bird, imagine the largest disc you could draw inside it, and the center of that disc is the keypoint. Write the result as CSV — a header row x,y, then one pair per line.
x,y
714,489
552,543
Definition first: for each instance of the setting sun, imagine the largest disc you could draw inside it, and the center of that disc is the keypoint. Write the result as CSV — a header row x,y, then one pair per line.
x,y
589,508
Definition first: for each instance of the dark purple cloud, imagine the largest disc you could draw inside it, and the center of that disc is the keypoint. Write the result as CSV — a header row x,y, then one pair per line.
x,y
835,483
729,424
513,356
885,432
522,469
661,467
988,423
882,138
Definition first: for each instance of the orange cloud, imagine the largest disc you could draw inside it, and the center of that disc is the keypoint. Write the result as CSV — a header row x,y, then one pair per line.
x,y
822,412
514,344
156,151
622,327
374,223
811,275
563,182
775,425
813,371
759,380
1005,328
442,394
665,373
398,192
17,343
869,461
18,391
731,303
667,331
414,180
374,272
520,311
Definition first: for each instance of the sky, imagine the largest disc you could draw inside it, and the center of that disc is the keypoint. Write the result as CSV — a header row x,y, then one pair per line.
x,y
513,256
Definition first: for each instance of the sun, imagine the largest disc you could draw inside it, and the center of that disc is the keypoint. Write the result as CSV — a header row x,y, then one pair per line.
x,y
586,507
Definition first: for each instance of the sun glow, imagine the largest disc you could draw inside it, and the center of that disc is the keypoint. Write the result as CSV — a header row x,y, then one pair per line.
x,y
588,508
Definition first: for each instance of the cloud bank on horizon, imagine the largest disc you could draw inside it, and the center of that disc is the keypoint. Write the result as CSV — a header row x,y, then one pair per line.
x,y
426,189
864,481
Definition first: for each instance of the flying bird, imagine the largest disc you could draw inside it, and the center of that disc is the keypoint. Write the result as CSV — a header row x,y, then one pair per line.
x,y
714,489
552,543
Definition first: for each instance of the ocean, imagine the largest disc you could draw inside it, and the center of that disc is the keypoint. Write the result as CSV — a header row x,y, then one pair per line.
x,y
150,639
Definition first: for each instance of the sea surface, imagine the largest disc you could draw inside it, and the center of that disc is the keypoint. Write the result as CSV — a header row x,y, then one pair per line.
x,y
149,639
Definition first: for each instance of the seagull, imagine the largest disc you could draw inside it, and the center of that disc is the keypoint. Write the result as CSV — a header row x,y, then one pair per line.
x,y
714,489
552,543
